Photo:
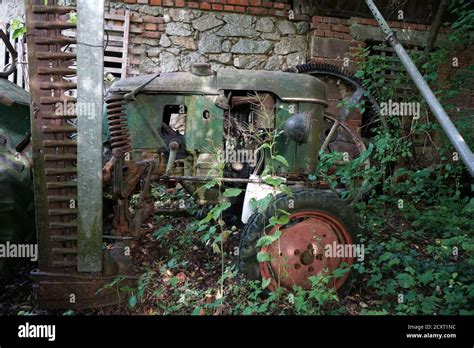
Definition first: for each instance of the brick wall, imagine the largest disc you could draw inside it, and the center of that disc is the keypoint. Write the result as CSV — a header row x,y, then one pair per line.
x,y
329,40
334,42
345,44
252,7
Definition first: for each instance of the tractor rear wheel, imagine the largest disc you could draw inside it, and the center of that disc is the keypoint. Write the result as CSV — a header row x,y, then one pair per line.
x,y
317,220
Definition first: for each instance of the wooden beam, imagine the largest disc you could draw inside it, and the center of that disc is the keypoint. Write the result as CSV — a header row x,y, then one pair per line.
x,y
126,31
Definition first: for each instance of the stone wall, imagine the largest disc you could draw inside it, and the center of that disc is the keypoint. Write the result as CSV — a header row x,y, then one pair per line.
x,y
230,41
176,38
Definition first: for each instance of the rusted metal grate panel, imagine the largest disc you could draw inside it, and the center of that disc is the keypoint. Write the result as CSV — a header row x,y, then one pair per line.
x,y
54,150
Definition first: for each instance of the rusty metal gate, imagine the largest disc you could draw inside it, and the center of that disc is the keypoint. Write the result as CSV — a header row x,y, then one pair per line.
x,y
58,284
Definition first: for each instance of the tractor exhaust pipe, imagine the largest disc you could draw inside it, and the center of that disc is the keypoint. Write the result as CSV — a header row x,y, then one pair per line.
x,y
448,126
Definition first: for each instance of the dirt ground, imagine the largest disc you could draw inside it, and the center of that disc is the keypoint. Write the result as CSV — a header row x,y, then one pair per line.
x,y
198,266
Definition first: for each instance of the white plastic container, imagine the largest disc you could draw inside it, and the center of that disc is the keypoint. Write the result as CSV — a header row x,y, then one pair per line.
x,y
257,191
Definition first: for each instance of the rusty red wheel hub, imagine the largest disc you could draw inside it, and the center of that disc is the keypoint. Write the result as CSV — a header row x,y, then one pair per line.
x,y
299,253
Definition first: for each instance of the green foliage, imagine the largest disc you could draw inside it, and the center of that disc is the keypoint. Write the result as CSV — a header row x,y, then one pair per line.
x,y
423,265
281,159
232,192
215,212
18,27
162,231
273,181
463,26
269,239
143,283
72,17
419,255
251,299
262,204
314,300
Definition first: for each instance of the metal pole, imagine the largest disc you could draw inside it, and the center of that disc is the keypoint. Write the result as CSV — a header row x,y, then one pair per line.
x,y
229,180
90,72
448,126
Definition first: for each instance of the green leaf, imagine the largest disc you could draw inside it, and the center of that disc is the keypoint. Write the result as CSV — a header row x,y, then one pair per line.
x,y
340,272
72,17
405,280
202,227
205,220
116,281
262,204
162,231
263,146
393,262
273,181
281,159
426,277
285,189
268,239
215,213
20,33
469,208
266,282
132,301
466,312
386,256
18,28
263,257
209,234
126,289
211,184
280,220
215,248
196,311
232,192
174,281
363,157
218,209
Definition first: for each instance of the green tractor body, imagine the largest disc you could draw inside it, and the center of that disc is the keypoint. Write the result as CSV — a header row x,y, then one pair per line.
x,y
219,116
16,186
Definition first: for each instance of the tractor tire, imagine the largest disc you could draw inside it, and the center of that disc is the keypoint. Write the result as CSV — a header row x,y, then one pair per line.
x,y
16,206
319,203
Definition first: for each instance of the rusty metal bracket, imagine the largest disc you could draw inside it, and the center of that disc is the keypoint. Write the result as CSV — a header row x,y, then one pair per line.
x,y
12,51
140,213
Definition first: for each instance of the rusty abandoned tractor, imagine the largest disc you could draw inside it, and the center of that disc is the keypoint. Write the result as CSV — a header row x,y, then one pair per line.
x,y
180,128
